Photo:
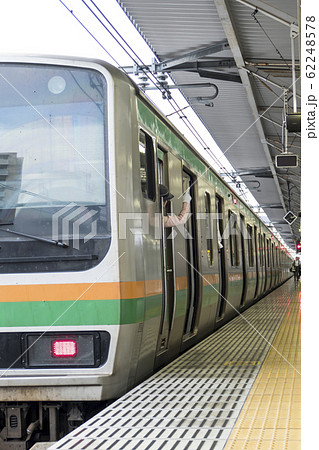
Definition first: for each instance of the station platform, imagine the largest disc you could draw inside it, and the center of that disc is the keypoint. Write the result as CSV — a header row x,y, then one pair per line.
x,y
238,389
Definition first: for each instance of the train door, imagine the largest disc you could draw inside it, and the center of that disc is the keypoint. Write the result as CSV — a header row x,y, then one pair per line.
x,y
168,279
243,257
258,281
221,257
264,244
251,266
274,268
279,264
262,263
192,260
268,262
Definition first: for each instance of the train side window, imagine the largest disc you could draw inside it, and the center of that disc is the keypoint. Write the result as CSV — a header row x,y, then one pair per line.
x,y
272,255
250,246
256,244
147,166
279,257
160,171
162,167
268,252
233,238
209,229
261,252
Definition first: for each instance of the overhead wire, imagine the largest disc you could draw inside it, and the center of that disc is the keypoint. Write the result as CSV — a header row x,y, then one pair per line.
x,y
268,37
86,29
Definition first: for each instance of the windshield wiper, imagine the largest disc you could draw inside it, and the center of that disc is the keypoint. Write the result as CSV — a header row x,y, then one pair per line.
x,y
49,241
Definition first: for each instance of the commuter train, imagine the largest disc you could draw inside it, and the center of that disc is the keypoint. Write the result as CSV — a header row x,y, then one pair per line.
x,y
96,294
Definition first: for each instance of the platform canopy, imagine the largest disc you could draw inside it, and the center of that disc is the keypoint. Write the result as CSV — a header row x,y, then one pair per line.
x,y
250,50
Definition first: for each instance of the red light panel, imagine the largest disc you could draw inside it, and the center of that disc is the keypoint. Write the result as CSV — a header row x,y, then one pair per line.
x,y
234,200
64,348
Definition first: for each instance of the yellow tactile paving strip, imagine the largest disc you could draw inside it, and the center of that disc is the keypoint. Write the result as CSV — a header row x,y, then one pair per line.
x,y
270,418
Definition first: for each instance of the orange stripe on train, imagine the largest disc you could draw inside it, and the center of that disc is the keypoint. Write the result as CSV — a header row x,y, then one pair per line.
x,y
75,291
89,291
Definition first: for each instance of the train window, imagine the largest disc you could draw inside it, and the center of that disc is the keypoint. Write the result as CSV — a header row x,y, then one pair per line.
x,y
268,252
279,257
233,238
209,229
147,166
250,246
55,186
272,255
261,252
162,166
160,170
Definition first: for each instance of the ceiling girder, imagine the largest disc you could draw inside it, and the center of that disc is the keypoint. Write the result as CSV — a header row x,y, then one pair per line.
x,y
270,79
271,205
271,64
272,107
263,172
194,56
270,11
190,62
222,63
218,75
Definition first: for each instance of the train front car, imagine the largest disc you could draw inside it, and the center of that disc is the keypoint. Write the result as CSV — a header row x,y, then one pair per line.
x,y
59,260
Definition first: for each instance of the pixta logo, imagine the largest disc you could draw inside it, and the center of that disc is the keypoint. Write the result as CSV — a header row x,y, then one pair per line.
x,y
66,224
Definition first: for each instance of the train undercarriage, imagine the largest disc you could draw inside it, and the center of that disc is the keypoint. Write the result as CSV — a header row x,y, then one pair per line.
x,y
23,424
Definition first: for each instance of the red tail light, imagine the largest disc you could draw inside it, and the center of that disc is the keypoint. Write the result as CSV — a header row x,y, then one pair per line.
x,y
64,348
68,349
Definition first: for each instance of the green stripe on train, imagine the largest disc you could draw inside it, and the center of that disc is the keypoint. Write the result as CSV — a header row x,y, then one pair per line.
x,y
90,312
84,312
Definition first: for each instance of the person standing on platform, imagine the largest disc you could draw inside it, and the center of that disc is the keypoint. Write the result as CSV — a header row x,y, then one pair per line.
x,y
296,269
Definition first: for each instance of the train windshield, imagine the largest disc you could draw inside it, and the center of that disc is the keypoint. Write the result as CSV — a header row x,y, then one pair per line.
x,y
54,212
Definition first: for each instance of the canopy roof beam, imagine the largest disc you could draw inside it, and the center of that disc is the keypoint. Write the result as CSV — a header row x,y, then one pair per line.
x,y
193,56
270,11
190,62
269,78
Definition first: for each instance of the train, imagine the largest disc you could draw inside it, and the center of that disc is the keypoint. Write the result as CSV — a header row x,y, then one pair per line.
x,y
95,293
